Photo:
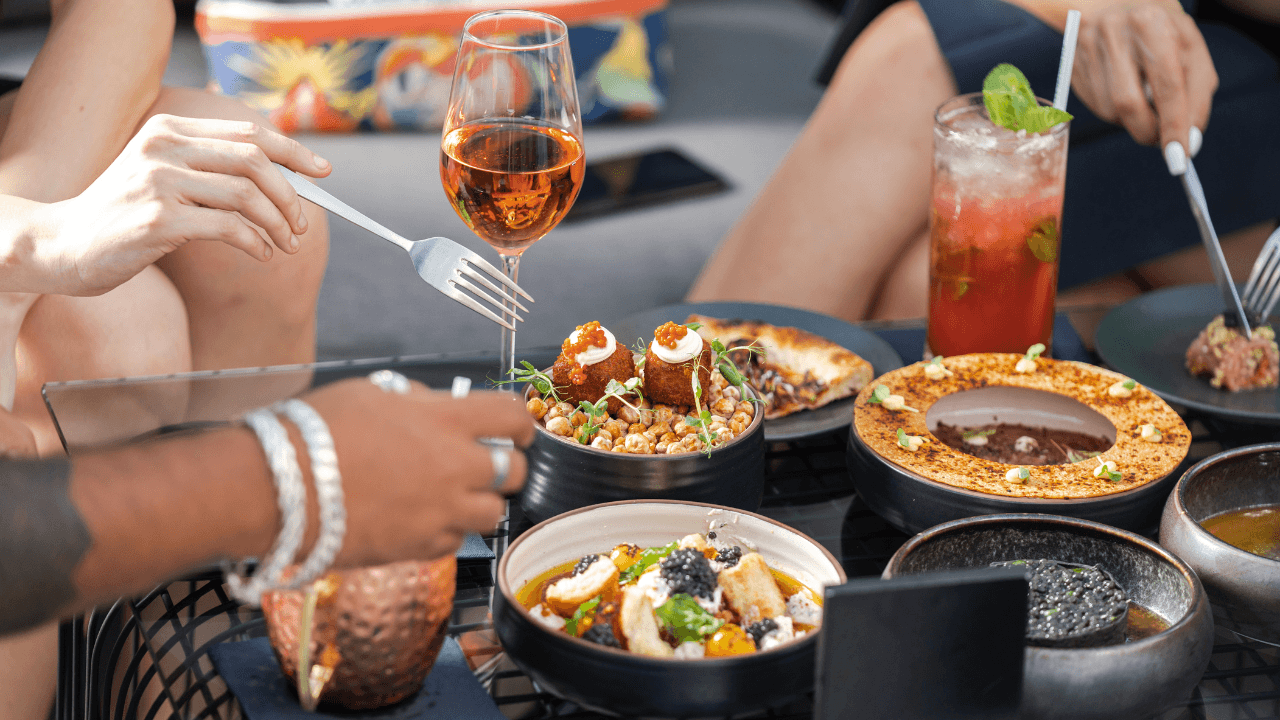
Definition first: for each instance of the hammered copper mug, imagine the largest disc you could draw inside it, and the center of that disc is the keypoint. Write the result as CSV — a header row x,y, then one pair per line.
x,y
373,633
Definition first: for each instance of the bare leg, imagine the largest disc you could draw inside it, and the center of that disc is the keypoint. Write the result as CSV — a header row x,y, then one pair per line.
x,y
905,292
853,191
243,312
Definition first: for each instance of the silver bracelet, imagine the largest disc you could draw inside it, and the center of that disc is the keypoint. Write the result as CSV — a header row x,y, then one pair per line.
x,y
291,495
328,482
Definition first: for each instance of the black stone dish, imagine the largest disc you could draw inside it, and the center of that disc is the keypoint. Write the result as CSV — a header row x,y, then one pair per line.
x,y
565,475
912,503
616,682
1133,680
1245,588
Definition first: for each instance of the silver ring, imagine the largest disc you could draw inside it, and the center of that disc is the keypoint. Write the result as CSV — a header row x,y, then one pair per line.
x,y
501,457
390,381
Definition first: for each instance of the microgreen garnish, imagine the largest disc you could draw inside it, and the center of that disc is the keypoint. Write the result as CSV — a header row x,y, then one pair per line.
x,y
879,394
599,408
1075,457
694,326
1011,104
977,433
541,381
701,418
1017,475
647,558
1108,468
586,608
1034,351
686,619
1130,384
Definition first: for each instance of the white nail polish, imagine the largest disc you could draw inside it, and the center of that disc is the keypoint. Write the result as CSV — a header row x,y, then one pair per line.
x,y
1195,139
1176,158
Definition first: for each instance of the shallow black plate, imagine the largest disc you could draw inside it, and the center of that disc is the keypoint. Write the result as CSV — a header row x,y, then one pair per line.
x,y
1147,339
797,425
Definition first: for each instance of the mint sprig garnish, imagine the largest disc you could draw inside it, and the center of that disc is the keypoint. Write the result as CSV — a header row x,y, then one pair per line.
x,y
1011,104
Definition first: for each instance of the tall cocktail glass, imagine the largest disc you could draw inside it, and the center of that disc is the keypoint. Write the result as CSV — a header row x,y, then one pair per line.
x,y
995,231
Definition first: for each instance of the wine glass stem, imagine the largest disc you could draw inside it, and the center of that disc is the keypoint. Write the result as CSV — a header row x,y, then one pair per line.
x,y
507,354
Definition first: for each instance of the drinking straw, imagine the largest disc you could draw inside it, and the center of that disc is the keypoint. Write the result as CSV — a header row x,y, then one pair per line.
x,y
1068,59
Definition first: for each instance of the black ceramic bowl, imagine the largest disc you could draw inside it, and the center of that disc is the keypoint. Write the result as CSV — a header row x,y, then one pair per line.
x,y
1245,588
912,503
564,475
1129,681
617,682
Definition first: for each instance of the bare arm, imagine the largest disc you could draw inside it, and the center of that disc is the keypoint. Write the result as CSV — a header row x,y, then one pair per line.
x,y
93,81
74,534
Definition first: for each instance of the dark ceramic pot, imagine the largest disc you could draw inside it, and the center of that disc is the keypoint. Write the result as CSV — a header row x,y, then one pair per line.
x,y
1245,588
565,475
617,682
911,503
1130,681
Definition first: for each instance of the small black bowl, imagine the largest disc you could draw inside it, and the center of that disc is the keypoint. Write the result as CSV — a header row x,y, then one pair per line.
x,y
1244,587
565,475
617,682
1128,681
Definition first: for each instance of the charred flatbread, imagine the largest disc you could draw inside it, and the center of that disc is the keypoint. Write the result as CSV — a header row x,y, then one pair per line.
x,y
797,371
1137,461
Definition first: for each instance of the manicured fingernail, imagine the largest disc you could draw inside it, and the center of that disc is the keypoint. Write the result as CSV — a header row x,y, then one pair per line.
x,y
293,243
1195,140
320,162
1176,158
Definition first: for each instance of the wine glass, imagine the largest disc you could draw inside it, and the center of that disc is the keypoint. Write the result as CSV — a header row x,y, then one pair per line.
x,y
511,159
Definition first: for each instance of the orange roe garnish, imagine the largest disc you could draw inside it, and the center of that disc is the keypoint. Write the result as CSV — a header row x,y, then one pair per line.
x,y
589,336
669,335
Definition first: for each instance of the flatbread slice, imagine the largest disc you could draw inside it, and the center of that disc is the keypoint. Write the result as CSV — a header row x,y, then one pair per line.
x,y
799,370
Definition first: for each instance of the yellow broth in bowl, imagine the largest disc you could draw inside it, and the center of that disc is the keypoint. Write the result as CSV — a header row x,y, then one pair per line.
x,y
1252,529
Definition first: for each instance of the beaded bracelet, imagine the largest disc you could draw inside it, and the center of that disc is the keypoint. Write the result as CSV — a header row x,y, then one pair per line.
x,y
291,495
328,482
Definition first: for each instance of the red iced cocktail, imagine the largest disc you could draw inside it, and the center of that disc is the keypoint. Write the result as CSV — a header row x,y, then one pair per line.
x,y
995,226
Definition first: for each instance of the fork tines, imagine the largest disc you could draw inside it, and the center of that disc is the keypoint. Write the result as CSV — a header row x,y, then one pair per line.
x,y
484,265
1262,291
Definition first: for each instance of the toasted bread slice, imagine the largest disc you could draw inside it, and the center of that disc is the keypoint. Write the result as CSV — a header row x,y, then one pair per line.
x,y
566,594
639,626
751,591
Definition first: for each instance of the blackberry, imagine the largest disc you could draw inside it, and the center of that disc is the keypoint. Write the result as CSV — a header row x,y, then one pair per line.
x,y
729,556
583,564
602,634
687,571
757,631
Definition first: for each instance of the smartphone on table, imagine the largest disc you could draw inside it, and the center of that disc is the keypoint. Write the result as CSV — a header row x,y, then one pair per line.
x,y
639,180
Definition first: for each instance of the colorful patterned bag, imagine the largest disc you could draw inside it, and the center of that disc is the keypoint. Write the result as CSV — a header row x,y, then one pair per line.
x,y
338,67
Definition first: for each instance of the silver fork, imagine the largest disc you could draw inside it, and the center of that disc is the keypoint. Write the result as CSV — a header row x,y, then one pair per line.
x,y
1263,289
443,263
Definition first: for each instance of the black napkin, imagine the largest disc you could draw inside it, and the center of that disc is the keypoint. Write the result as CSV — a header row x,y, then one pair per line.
x,y
254,677
909,342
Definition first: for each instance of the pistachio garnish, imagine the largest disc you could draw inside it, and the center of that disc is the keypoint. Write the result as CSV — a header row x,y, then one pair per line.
x,y
1150,433
1028,362
1017,475
1107,468
1122,389
881,396
935,370
910,442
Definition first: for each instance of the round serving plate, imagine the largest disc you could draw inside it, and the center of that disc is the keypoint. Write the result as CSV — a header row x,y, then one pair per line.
x,y
616,682
984,390
1147,339
1128,681
805,423
1244,588
564,475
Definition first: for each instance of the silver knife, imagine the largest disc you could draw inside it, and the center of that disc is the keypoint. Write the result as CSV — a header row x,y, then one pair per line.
x,y
1200,209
